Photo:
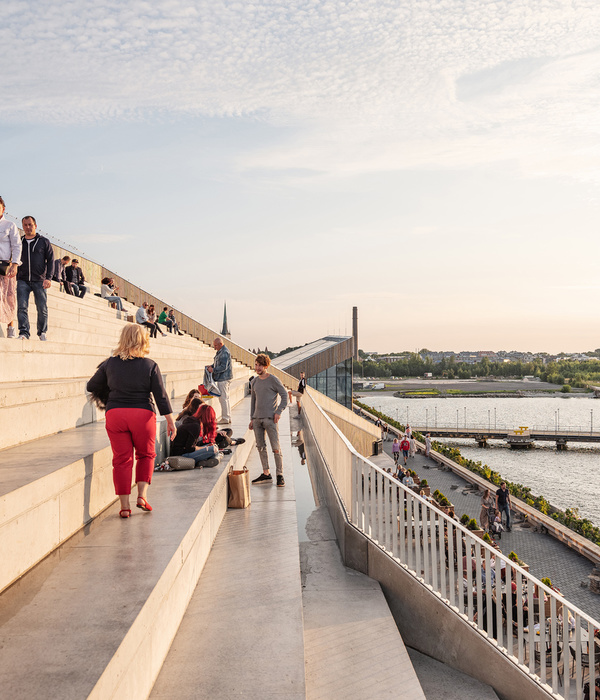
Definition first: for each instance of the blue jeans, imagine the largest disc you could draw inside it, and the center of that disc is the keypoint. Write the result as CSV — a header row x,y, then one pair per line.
x,y
505,509
78,290
203,453
117,301
24,289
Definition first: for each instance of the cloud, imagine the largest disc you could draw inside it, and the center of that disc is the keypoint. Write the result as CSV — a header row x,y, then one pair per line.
x,y
367,84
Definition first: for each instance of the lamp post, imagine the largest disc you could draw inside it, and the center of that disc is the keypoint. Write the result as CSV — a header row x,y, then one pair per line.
x,y
457,420
495,424
557,419
489,420
435,416
426,418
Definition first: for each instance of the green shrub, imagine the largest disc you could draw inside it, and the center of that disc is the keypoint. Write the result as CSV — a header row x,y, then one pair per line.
x,y
472,525
570,518
464,519
547,582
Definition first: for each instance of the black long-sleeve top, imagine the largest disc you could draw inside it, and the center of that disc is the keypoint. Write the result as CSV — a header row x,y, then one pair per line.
x,y
131,384
187,436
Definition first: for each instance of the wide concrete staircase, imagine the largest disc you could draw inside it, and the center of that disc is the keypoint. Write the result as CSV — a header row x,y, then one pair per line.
x,y
93,606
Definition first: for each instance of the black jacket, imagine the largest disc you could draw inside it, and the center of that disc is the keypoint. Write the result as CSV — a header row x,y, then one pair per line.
x,y
37,260
74,275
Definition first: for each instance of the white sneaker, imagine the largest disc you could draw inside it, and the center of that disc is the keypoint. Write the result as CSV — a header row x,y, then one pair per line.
x,y
23,337
43,336
10,332
223,422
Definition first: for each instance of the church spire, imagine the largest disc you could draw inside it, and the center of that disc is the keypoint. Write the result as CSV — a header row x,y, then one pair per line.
x,y
225,329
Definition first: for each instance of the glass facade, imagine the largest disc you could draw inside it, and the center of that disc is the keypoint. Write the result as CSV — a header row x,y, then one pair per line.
x,y
335,382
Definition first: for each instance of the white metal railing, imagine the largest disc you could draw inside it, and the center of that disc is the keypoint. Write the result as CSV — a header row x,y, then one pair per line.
x,y
532,625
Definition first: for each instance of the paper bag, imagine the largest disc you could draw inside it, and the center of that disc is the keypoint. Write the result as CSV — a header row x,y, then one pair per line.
x,y
239,488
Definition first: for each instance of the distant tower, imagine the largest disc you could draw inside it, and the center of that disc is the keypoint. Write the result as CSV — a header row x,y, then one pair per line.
x,y
225,329
355,331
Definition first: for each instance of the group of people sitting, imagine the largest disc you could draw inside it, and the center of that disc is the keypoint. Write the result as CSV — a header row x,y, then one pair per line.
x,y
198,435
70,276
146,316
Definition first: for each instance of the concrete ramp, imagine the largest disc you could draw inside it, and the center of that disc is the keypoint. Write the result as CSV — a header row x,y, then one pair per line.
x,y
352,645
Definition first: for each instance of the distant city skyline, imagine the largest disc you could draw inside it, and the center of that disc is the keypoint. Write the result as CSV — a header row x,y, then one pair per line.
x,y
436,165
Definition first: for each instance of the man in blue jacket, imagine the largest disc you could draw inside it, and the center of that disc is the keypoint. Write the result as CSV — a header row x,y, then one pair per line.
x,y
222,375
34,275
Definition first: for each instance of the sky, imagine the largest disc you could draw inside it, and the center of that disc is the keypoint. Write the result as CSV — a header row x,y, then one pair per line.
x,y
435,163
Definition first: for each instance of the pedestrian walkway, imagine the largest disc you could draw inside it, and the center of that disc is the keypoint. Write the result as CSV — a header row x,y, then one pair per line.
x,y
273,618
544,554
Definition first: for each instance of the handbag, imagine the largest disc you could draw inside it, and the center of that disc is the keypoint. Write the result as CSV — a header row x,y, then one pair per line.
x,y
181,463
4,267
239,488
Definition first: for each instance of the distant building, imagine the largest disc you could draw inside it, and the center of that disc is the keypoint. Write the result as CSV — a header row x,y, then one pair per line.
x,y
327,364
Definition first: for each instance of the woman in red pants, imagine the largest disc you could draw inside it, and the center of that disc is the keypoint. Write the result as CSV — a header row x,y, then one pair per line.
x,y
127,381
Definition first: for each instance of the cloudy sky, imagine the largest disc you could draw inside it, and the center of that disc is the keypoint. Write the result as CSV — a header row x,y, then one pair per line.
x,y
434,162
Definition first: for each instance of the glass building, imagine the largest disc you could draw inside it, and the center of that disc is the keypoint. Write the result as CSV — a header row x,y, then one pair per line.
x,y
327,364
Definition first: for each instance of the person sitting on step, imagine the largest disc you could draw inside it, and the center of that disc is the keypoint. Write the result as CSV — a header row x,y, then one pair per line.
x,y
188,443
106,292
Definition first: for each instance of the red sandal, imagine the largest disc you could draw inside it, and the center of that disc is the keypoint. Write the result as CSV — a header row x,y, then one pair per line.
x,y
127,512
145,505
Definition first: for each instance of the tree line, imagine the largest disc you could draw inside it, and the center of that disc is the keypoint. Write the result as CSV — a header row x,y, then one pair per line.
x,y
575,374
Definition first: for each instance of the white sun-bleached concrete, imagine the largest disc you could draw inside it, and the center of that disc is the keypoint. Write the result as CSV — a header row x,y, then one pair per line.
x,y
105,614
42,388
242,635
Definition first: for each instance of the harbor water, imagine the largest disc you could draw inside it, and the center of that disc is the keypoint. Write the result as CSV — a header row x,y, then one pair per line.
x,y
568,479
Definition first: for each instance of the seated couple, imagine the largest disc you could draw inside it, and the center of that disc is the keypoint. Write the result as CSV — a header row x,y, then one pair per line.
x,y
169,320
197,435
107,291
146,316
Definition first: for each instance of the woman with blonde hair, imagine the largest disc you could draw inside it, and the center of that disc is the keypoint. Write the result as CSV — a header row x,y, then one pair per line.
x,y
125,383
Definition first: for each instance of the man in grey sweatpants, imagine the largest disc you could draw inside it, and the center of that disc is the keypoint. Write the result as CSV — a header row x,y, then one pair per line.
x,y
265,412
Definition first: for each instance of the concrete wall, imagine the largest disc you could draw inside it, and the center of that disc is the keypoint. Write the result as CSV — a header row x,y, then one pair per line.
x,y
425,622
360,432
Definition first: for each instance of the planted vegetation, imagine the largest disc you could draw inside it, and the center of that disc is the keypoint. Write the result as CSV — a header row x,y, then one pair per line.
x,y
569,517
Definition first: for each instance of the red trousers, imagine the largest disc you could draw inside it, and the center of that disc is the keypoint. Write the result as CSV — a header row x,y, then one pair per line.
x,y
130,428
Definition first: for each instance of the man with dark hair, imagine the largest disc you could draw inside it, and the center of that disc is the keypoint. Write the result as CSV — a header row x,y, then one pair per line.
x,y
299,392
265,412
503,503
59,274
34,275
76,279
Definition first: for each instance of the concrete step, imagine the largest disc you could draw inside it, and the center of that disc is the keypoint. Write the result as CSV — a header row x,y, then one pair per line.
x,y
52,486
32,360
32,410
441,681
242,635
101,619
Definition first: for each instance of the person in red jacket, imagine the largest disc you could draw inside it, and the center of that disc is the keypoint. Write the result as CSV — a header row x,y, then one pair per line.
x,y
405,447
